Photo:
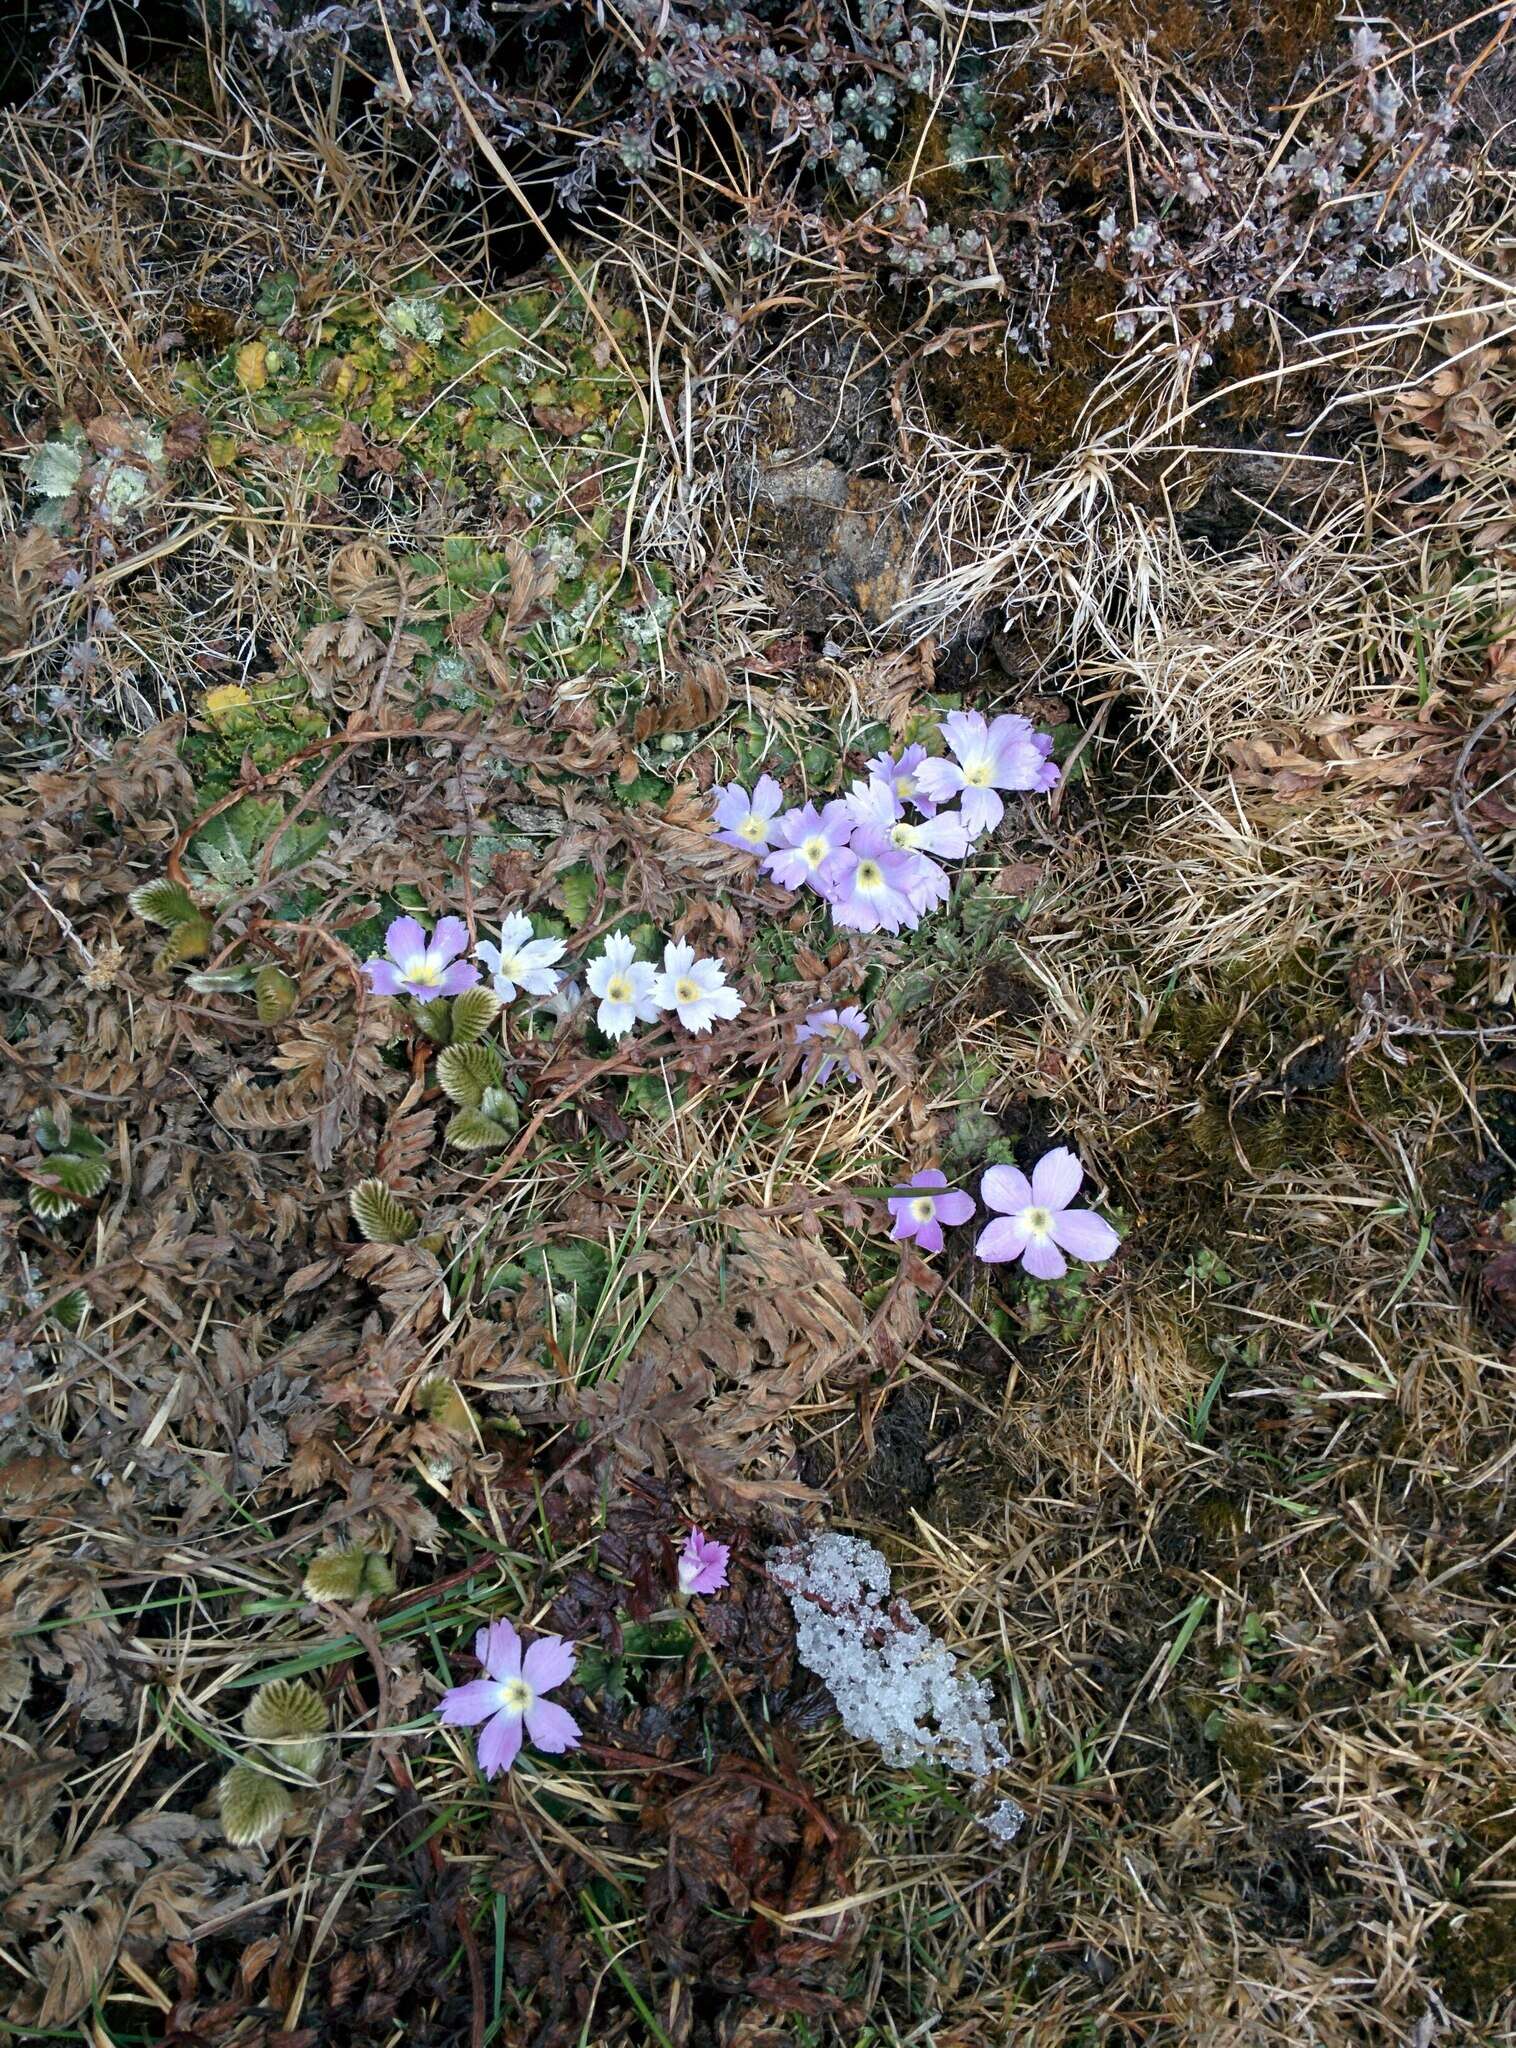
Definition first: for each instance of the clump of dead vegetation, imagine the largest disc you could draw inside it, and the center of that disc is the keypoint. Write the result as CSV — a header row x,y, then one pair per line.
x,y
347,575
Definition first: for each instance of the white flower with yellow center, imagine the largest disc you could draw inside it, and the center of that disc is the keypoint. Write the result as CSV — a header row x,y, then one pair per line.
x,y
624,985
695,990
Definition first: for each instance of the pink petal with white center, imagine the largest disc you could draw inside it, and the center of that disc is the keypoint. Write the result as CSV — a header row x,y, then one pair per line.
x,y
547,1663
955,1206
1056,1178
465,1706
552,1728
450,938
1044,1261
499,1744
1001,1240
498,1649
1006,1188
403,938
1085,1234
383,977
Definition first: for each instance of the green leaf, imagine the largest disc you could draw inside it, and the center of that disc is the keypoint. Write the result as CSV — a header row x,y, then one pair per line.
x,y
220,981
445,1408
576,892
253,1805
473,1013
48,1205
165,903
499,1105
379,1215
188,941
342,1574
465,1071
80,1175
276,994
472,1131
55,469
285,1710
71,1310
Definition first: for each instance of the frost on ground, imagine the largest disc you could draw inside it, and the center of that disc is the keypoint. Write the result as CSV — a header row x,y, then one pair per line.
x,y
894,1684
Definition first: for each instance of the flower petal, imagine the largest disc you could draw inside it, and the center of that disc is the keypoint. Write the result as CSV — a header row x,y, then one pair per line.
x,y
928,1177
383,977
955,1206
461,975
1003,1239
403,937
499,1742
450,938
1045,1261
1056,1178
552,1728
1085,1234
1006,1188
498,1649
547,1663
464,1706
929,1235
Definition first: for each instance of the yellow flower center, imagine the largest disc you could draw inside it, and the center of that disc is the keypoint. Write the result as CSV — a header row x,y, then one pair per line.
x,y
751,827
903,835
1038,1221
978,777
686,992
814,850
423,968
516,1695
870,874
923,1209
618,989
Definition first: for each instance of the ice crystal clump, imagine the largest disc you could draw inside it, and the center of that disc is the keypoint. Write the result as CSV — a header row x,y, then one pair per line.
x,y
893,1683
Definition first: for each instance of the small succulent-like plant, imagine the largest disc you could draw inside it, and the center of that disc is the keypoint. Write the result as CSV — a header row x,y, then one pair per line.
x,y
286,1722
473,1078
347,1571
74,1168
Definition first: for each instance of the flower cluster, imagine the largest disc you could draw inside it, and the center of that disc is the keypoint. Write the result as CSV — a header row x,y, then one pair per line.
x,y
875,864
509,1703
1033,1219
628,990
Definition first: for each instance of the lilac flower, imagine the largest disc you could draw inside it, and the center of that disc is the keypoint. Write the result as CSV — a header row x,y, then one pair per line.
x,y
873,805
926,884
945,835
922,1214
510,1697
702,1563
744,820
520,961
903,778
1004,755
695,990
1036,1219
871,887
424,968
833,1027
624,985
810,843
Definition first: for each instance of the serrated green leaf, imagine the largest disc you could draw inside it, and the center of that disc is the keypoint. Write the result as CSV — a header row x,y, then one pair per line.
x,y
445,1407
253,1805
285,1710
78,1174
499,1105
187,941
163,902
49,1205
71,1310
576,892
381,1217
465,1071
435,1019
473,1013
276,994
472,1131
48,1132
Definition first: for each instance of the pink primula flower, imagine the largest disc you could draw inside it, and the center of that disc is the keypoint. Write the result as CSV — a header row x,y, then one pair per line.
x,y
923,1204
1036,1224
903,777
747,822
1004,754
810,843
871,888
509,1698
426,968
833,1027
702,1563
